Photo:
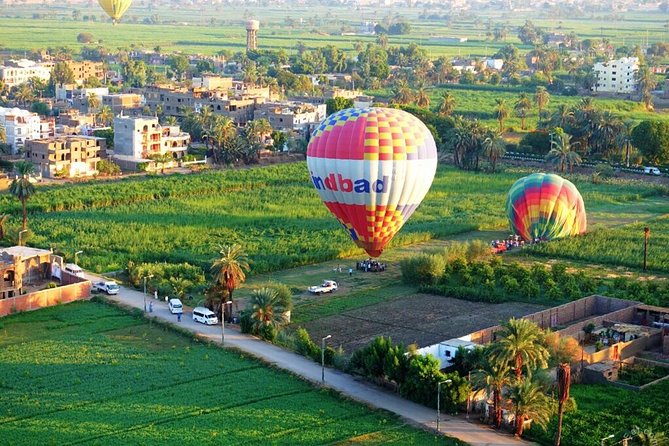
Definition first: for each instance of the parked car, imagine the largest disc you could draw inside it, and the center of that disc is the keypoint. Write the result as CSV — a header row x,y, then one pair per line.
x,y
107,287
328,286
175,306
205,316
651,171
74,270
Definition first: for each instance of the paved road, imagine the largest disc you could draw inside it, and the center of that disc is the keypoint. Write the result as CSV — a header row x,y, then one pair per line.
x,y
474,434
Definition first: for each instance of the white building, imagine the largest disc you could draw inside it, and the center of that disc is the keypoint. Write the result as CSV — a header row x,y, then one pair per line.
x,y
616,76
291,115
445,351
139,138
21,125
17,72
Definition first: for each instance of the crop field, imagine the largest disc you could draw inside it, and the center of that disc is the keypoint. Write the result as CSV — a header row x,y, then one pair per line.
x,y
604,410
194,29
273,212
431,319
87,373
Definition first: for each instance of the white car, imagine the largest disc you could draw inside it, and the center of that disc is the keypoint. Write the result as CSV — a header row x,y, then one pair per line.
x,y
328,286
176,307
107,287
205,316
651,171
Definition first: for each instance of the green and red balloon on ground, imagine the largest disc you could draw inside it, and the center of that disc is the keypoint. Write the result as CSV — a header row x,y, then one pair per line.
x,y
372,167
545,206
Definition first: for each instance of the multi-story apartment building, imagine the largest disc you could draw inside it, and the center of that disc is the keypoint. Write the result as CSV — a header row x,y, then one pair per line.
x,y
127,102
17,72
139,138
616,76
291,115
175,102
66,156
21,125
86,69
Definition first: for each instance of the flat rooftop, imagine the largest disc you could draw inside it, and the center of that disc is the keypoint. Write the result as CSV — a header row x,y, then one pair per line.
x,y
24,251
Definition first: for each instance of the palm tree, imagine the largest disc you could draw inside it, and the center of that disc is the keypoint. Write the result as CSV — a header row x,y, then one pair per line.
x,y
563,382
24,94
162,159
522,108
257,129
230,268
561,117
646,81
561,152
179,286
220,132
22,188
541,98
529,402
492,377
501,113
106,115
266,309
3,222
93,101
447,105
403,94
171,121
625,139
422,99
494,147
520,347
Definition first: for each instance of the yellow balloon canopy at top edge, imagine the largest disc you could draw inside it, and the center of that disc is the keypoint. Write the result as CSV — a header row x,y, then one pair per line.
x,y
115,8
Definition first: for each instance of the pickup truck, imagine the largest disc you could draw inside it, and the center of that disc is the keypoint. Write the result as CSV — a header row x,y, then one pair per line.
x,y
328,286
106,287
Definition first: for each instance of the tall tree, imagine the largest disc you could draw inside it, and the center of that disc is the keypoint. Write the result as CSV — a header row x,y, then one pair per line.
x,y
520,347
106,115
61,74
528,401
652,139
522,108
447,105
494,147
541,99
492,377
93,101
501,113
647,82
561,153
22,188
230,269
422,99
563,384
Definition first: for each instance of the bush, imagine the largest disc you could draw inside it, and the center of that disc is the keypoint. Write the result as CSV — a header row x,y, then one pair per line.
x,y
305,346
107,167
423,269
537,142
245,322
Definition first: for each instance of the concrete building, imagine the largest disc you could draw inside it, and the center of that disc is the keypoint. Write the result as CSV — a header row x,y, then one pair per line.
x,y
212,82
21,125
124,102
86,69
17,72
252,27
136,139
66,156
291,115
616,76
22,265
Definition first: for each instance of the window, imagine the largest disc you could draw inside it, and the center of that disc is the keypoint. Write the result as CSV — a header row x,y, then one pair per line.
x,y
448,353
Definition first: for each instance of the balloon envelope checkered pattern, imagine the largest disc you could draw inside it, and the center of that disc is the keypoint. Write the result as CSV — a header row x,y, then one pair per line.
x,y
372,167
545,206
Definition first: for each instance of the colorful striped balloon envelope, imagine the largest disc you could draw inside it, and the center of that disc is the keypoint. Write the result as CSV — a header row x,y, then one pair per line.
x,y
545,206
372,167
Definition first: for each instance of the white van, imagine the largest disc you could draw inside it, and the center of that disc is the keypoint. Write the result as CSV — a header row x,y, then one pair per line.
x,y
74,270
205,316
651,171
176,307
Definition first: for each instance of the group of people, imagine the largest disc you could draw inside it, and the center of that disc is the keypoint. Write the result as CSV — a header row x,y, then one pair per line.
x,y
512,242
370,265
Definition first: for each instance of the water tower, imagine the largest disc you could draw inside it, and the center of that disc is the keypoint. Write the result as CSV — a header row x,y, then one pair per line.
x,y
252,27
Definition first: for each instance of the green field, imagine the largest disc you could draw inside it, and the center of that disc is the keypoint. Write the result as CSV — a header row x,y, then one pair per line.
x,y
605,410
190,28
88,373
273,212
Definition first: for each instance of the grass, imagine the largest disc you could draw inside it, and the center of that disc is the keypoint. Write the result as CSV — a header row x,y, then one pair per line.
x,y
604,410
273,212
89,373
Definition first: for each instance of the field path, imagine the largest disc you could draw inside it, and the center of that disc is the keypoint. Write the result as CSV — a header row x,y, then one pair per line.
x,y
471,433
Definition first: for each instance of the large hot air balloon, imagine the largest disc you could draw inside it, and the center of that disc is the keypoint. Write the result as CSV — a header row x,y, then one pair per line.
x,y
372,167
115,8
545,206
